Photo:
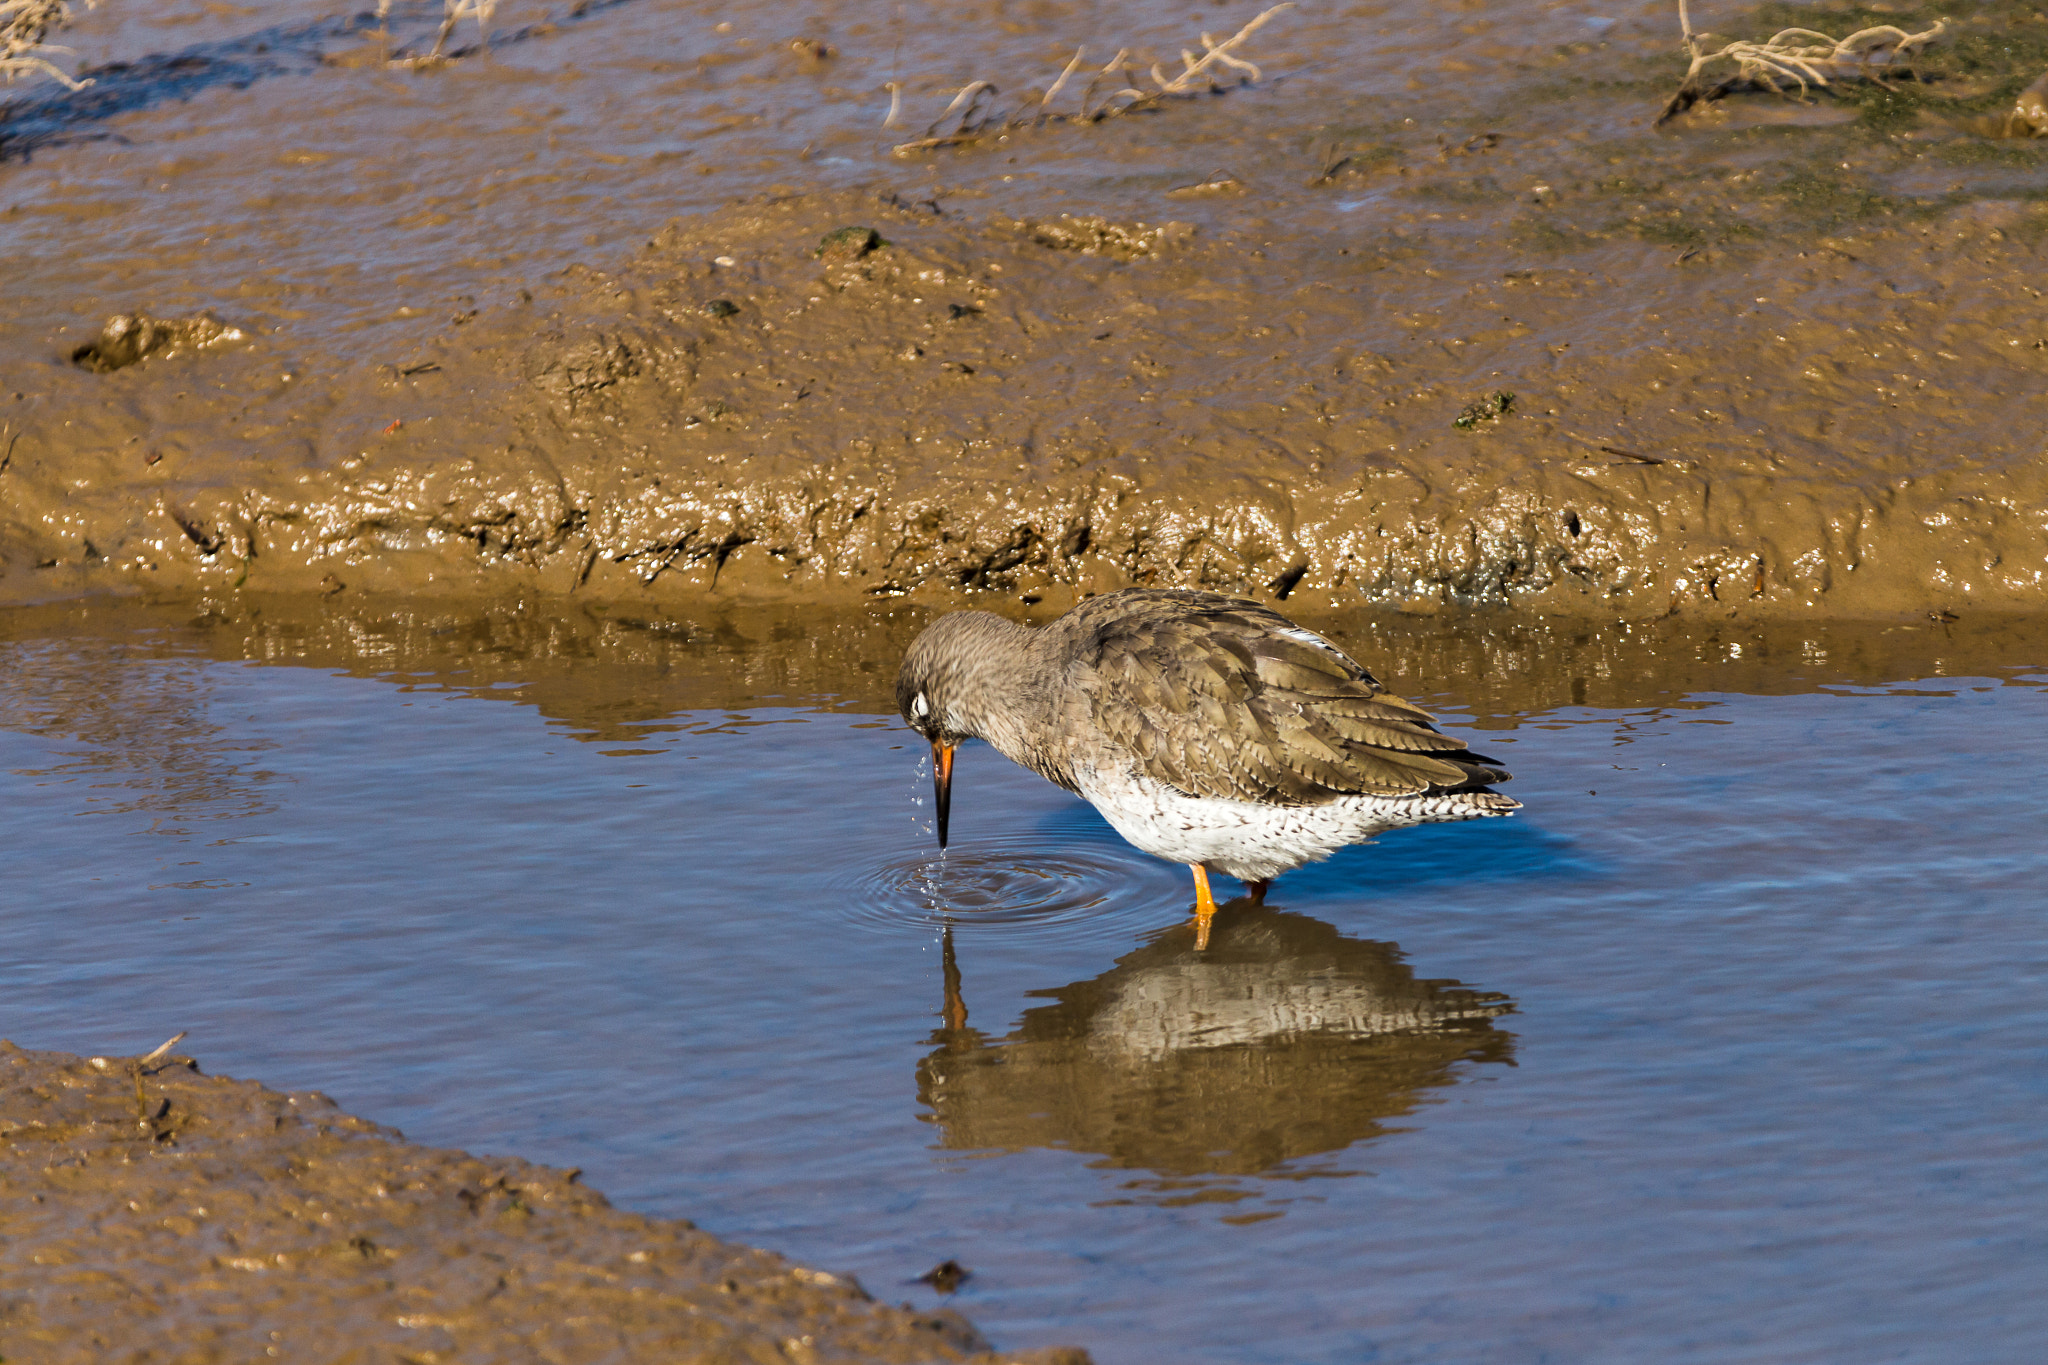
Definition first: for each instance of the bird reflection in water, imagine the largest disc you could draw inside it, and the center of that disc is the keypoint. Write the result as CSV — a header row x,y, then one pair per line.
x,y
1283,1040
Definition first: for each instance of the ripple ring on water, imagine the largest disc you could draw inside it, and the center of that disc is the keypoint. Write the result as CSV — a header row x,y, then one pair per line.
x,y
1073,892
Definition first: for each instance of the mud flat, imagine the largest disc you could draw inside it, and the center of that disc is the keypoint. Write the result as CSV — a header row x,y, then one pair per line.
x,y
154,1213
1451,323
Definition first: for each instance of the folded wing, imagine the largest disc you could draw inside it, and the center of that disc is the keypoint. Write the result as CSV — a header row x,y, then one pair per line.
x,y
1221,697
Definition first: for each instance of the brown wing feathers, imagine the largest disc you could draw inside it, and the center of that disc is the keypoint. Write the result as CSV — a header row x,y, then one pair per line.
x,y
1220,697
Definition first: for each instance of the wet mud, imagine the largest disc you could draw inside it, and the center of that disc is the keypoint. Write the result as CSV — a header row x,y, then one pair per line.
x,y
1427,314
154,1213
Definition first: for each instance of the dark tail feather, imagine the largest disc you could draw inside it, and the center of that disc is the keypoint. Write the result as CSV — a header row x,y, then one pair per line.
x,y
1480,772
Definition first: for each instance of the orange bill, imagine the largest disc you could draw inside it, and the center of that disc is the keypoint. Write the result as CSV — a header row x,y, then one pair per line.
x,y
942,784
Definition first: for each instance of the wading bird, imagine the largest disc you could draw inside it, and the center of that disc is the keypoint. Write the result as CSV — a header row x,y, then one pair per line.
x,y
1208,730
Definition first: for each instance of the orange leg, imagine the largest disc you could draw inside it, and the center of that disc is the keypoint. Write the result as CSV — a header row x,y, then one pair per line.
x,y
1258,890
1205,906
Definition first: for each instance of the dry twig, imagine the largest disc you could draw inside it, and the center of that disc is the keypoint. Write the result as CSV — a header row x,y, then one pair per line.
x,y
455,12
458,10
145,1118
975,114
152,1058
1793,56
24,24
1220,181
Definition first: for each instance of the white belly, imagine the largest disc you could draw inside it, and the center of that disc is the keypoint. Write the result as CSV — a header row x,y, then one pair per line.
x,y
1254,842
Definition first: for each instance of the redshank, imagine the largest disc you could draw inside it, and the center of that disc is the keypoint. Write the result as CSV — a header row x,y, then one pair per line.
x,y
1208,730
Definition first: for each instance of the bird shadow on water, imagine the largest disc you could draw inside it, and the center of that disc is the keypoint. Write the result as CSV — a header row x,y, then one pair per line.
x,y
1477,852
1473,852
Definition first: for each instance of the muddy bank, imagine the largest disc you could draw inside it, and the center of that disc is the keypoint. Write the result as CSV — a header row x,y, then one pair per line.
x,y
1493,341
155,1213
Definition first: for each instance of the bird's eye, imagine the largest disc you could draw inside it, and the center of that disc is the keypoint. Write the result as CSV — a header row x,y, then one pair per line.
x,y
919,707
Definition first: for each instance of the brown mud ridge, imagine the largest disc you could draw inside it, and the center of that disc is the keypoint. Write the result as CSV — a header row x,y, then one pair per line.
x,y
151,1213
1779,359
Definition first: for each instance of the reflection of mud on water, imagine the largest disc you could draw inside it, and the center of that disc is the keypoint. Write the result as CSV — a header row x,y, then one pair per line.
x,y
242,1218
1758,368
147,729
609,676
1283,1040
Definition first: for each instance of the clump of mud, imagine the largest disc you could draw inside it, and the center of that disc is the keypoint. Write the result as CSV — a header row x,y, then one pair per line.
x,y
152,1212
848,244
129,338
1094,235
2028,117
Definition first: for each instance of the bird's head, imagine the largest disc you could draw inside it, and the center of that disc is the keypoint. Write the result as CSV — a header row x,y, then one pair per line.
x,y
952,675
943,688
924,698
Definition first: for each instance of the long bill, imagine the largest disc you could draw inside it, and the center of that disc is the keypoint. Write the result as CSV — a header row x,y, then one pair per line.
x,y
942,784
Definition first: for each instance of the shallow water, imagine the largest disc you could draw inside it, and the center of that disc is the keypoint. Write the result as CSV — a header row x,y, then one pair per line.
x,y
1728,1048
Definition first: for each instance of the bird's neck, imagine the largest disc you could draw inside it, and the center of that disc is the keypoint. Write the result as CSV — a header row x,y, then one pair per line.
x,y
1005,696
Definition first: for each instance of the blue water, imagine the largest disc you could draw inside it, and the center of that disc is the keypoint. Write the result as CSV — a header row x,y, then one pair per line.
x,y
1760,1075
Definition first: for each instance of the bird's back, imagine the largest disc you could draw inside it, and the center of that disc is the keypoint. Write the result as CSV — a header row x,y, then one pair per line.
x,y
1222,697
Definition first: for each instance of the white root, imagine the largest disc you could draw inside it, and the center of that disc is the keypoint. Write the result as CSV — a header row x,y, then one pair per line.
x,y
24,27
972,114
1797,56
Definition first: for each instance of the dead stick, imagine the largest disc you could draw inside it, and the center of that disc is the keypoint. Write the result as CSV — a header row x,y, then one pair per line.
x,y
163,1048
